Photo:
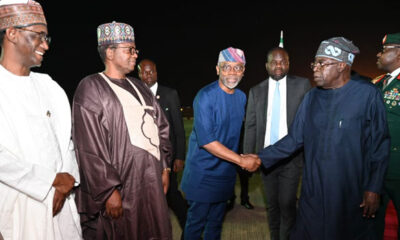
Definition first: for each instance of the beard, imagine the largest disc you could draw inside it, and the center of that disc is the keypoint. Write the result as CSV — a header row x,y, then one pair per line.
x,y
277,77
230,81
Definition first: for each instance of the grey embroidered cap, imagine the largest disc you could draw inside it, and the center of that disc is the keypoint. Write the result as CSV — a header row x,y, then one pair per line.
x,y
338,48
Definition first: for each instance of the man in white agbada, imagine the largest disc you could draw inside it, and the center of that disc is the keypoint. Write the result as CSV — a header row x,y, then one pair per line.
x,y
37,164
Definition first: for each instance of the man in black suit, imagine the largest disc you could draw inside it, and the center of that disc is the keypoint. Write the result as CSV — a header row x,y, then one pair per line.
x,y
271,107
169,102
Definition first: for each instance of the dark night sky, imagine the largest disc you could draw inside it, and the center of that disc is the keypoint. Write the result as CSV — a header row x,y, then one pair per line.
x,y
184,39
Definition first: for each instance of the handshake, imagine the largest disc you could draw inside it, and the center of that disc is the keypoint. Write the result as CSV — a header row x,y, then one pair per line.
x,y
249,162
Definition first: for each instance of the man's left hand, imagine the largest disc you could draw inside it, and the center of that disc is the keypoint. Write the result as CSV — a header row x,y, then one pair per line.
x,y
178,165
370,204
165,180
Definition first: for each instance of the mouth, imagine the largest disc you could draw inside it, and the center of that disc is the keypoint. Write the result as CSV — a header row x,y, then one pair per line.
x,y
232,80
39,53
317,77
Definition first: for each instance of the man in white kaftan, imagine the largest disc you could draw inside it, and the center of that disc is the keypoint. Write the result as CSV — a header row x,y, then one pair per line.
x,y
37,163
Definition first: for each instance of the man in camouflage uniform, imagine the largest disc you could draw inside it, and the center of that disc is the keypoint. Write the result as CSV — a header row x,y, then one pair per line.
x,y
389,62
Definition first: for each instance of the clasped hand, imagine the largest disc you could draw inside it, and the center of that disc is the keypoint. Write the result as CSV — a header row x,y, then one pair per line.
x,y
63,184
250,162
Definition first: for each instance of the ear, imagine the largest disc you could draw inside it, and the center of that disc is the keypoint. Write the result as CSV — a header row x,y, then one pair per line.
x,y
342,66
110,53
398,53
11,34
217,70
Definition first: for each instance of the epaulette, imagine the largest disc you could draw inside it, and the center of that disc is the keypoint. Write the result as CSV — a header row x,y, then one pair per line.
x,y
377,79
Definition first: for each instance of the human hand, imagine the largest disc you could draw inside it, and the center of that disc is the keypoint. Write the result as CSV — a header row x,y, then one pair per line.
x,y
114,205
179,164
64,183
250,162
58,201
370,204
165,179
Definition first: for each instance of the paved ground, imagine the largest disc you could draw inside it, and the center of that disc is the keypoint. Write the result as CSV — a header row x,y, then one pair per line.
x,y
240,223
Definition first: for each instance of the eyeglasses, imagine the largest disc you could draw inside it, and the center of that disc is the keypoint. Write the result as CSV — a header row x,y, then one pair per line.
x,y
321,65
42,35
228,68
388,47
132,50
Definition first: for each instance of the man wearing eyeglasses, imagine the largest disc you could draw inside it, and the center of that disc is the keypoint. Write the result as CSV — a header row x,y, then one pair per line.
x,y
122,145
209,177
389,84
38,169
342,126
271,108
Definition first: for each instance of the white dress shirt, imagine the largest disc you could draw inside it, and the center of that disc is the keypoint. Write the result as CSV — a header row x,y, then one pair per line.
x,y
283,129
393,75
154,88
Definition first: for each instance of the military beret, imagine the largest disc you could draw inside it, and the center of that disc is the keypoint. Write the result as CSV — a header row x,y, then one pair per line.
x,y
393,38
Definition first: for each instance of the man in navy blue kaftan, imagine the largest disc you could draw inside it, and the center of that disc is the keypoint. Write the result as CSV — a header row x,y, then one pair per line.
x,y
342,126
209,175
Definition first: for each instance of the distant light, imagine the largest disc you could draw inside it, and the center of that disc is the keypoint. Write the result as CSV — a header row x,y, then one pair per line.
x,y
181,109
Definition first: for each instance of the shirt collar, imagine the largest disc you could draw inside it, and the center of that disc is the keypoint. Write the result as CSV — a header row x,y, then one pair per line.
x,y
395,72
283,80
154,88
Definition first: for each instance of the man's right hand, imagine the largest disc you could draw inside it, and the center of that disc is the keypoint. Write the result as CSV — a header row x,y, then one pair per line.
x,y
114,205
250,162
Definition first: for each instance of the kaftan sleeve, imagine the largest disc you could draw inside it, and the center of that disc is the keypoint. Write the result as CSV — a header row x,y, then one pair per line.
x,y
90,133
27,177
379,150
163,130
289,144
204,125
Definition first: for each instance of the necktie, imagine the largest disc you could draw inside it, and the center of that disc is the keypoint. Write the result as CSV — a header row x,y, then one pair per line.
x,y
385,80
276,105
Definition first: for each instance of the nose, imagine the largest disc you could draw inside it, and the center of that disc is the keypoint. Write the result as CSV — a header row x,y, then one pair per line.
x,y
45,45
379,54
315,68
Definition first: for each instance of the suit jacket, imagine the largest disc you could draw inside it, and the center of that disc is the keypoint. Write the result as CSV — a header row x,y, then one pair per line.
x,y
256,113
169,102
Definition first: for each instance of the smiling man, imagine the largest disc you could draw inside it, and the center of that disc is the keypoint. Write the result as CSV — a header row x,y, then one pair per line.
x,y
209,175
122,145
342,126
37,164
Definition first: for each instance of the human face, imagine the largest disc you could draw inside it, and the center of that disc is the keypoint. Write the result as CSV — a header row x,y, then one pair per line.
x,y
124,57
278,64
230,74
326,74
389,58
33,44
148,73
